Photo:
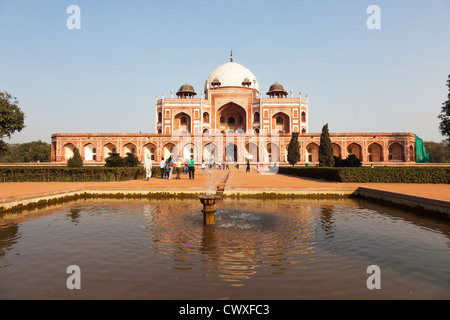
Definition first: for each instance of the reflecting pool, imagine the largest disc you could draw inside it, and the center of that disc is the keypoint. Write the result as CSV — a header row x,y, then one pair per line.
x,y
257,249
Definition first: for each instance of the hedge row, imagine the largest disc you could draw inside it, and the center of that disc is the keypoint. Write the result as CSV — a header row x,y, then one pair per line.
x,y
376,174
65,174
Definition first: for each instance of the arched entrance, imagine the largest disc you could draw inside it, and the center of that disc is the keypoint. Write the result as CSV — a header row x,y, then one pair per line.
x,y
231,116
281,122
182,123
107,149
210,152
150,150
272,154
354,148
231,153
396,152
190,150
312,152
336,150
251,152
90,152
68,150
129,148
375,152
170,150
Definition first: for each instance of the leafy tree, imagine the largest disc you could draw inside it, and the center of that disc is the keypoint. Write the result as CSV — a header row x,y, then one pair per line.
x,y
326,158
444,116
439,152
76,161
293,149
114,160
11,117
35,151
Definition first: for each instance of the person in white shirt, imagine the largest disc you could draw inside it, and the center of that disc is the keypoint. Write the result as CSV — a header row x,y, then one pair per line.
x,y
162,165
148,167
203,167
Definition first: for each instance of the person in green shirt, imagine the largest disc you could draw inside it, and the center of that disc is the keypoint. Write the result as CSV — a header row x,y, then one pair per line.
x,y
191,168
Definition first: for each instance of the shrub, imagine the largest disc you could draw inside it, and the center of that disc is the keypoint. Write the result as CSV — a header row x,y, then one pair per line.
x,y
114,160
131,160
376,174
351,161
65,174
75,161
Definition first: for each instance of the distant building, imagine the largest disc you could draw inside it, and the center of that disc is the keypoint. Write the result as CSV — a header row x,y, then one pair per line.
x,y
231,121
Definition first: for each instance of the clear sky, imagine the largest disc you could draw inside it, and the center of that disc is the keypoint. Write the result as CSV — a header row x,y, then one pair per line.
x,y
104,77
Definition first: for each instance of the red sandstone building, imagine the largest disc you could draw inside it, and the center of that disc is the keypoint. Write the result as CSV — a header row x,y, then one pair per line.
x,y
232,121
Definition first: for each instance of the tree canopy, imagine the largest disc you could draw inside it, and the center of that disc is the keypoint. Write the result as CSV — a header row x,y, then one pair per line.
x,y
293,149
35,151
326,158
439,152
444,116
11,117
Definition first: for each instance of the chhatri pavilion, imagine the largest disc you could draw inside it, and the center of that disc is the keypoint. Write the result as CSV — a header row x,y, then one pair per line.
x,y
232,121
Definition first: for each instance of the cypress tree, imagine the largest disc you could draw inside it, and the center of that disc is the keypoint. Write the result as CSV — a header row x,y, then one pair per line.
x,y
444,125
326,158
293,149
76,161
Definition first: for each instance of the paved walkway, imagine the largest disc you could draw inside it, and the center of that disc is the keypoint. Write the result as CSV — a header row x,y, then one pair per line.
x,y
237,181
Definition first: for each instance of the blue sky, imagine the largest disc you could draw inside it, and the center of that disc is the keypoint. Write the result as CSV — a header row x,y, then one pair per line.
x,y
104,77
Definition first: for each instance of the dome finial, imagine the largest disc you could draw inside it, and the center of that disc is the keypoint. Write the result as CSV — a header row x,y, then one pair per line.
x,y
231,56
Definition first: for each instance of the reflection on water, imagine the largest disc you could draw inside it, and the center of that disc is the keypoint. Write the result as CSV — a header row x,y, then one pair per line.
x,y
257,249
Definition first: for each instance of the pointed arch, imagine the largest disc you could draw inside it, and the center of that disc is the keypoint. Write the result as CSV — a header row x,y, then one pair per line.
x,y
355,148
312,152
107,149
375,152
396,152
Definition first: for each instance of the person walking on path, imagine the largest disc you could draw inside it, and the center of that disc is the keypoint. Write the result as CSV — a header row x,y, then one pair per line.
x,y
179,165
191,168
248,166
186,167
258,167
166,168
148,168
211,163
203,167
162,165
226,165
170,165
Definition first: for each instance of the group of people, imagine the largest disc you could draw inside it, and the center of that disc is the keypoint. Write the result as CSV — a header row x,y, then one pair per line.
x,y
187,166
170,165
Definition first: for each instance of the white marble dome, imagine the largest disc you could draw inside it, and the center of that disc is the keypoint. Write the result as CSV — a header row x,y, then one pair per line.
x,y
231,74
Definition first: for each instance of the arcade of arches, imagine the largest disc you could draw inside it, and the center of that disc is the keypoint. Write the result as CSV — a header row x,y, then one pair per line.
x,y
238,148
